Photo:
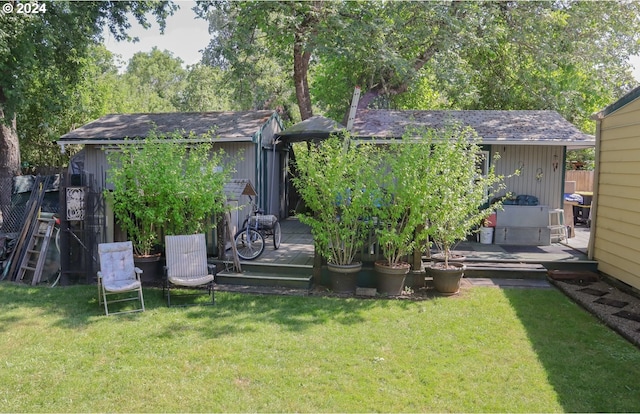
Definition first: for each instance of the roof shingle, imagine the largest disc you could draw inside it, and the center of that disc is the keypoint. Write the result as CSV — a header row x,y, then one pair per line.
x,y
503,127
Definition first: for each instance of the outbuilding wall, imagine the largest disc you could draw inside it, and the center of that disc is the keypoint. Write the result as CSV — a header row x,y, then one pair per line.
x,y
616,231
541,171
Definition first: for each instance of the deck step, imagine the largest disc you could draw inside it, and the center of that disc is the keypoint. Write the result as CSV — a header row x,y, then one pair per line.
x,y
301,280
574,266
505,270
564,275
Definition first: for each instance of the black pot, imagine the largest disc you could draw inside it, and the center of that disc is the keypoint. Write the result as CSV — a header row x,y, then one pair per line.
x,y
391,279
151,267
447,280
344,278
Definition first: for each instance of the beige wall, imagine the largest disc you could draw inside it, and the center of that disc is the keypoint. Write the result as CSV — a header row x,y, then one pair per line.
x,y
533,160
617,223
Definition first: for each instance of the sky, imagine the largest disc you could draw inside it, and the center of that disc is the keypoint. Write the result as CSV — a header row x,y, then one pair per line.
x,y
185,36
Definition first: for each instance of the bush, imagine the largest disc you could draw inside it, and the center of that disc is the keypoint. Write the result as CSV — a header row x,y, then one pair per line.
x,y
162,184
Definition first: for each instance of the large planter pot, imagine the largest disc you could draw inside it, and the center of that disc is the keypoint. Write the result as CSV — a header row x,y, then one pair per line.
x,y
447,280
151,269
439,257
344,278
390,279
415,279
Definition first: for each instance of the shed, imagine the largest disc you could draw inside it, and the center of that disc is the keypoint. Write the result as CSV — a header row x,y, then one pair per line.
x,y
615,213
246,136
534,142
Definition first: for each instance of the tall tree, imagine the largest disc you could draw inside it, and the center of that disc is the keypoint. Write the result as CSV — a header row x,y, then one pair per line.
x,y
255,67
155,80
47,48
97,92
475,54
205,90
278,36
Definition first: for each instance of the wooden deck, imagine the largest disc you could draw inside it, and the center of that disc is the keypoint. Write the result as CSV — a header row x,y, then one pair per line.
x,y
297,249
294,259
296,246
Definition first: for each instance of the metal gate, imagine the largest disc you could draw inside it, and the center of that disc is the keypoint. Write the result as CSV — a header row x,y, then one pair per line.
x,y
82,227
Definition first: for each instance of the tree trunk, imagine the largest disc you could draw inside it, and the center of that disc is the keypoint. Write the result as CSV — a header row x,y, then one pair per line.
x,y
9,156
300,70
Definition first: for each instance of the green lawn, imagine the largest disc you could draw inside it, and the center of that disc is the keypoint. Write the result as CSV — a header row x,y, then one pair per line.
x,y
518,350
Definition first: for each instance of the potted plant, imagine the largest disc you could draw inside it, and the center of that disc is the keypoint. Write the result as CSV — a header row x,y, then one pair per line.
x,y
403,212
462,193
336,180
161,186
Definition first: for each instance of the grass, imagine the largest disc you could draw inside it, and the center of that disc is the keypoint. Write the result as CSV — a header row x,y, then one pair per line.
x,y
487,350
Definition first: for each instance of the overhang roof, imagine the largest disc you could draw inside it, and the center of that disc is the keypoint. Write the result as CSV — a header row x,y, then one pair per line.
x,y
314,128
226,126
494,127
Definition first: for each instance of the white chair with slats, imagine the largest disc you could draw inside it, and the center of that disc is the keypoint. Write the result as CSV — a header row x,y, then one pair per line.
x,y
187,267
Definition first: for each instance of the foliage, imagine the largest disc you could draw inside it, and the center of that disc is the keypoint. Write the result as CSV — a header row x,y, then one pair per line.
x,y
204,90
336,180
162,184
458,186
459,55
42,55
250,49
95,93
407,200
540,55
155,81
253,354
582,159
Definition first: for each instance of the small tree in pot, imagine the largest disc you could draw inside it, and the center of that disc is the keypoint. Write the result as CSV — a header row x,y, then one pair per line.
x,y
462,193
404,209
336,180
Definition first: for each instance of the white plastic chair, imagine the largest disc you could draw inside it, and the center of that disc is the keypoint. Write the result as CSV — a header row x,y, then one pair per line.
x,y
187,266
118,276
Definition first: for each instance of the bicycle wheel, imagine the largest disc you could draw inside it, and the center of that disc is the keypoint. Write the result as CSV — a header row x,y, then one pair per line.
x,y
277,235
249,244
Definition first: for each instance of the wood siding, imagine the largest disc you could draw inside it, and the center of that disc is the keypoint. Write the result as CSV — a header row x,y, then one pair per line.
x,y
540,175
617,223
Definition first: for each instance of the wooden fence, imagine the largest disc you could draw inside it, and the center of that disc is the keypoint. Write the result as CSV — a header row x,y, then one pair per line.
x,y
583,179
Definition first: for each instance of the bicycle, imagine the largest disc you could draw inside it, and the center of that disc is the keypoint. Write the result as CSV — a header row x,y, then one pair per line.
x,y
250,240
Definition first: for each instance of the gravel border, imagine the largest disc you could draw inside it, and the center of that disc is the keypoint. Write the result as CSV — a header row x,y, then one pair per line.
x,y
629,329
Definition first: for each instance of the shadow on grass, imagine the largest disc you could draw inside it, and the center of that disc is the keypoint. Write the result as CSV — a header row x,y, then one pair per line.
x,y
591,368
77,307
74,305
238,312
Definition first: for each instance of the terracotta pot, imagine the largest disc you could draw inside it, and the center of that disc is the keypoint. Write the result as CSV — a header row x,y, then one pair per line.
x,y
391,279
344,278
447,280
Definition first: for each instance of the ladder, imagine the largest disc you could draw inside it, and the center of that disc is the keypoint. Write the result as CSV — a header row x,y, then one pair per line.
x,y
36,253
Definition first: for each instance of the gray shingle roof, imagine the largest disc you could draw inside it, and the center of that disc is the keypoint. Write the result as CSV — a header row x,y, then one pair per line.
x,y
495,127
232,126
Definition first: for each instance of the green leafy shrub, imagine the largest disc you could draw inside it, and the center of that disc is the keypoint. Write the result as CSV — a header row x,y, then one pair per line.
x,y
336,180
163,184
458,186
